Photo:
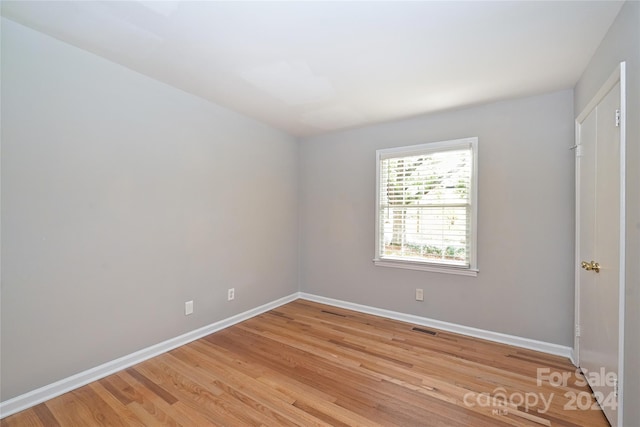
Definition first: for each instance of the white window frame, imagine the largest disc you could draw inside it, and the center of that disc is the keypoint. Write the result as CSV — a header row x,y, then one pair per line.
x,y
472,269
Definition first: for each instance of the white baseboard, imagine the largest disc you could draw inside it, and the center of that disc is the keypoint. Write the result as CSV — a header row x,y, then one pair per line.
x,y
513,340
37,396
34,397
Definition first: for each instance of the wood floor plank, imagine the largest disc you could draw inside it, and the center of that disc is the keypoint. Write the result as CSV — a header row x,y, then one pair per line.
x,y
252,392
152,408
158,390
233,397
27,418
83,406
127,417
308,364
45,415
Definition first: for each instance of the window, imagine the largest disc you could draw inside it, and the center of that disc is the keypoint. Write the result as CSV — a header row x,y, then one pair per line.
x,y
426,207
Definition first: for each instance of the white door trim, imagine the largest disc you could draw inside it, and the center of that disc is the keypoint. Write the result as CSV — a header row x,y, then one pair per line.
x,y
619,75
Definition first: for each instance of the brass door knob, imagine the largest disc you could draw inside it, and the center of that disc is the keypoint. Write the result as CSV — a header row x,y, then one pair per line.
x,y
591,266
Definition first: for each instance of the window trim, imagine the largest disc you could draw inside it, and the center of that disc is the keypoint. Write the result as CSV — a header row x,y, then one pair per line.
x,y
472,270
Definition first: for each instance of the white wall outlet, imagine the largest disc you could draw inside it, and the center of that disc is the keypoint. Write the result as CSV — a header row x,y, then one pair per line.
x,y
188,308
231,294
419,294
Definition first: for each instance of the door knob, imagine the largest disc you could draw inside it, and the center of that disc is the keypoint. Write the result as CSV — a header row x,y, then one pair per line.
x,y
591,266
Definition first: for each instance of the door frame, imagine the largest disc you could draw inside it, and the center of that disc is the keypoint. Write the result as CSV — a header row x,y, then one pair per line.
x,y
619,75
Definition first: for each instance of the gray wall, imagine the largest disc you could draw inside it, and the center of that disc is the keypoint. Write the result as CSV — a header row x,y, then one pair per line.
x,y
622,43
122,198
526,217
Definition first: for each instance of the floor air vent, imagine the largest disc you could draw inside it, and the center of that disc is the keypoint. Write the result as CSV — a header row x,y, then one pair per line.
x,y
335,314
424,331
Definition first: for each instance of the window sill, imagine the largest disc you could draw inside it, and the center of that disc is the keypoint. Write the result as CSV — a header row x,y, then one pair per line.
x,y
410,265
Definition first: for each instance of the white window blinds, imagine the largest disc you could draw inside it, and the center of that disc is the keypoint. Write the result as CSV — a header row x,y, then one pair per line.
x,y
426,204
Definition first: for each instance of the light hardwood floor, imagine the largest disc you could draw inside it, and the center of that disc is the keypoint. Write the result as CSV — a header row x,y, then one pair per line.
x,y
308,364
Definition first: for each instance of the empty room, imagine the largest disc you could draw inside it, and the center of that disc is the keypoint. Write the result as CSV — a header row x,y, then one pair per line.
x,y
320,213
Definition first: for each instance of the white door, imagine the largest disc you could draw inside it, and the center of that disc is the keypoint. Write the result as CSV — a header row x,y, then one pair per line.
x,y
599,250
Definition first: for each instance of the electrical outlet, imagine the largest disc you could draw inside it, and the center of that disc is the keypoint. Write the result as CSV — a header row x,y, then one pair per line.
x,y
188,308
231,294
419,294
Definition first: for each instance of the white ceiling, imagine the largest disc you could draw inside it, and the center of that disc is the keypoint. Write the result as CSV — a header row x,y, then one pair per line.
x,y
312,67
